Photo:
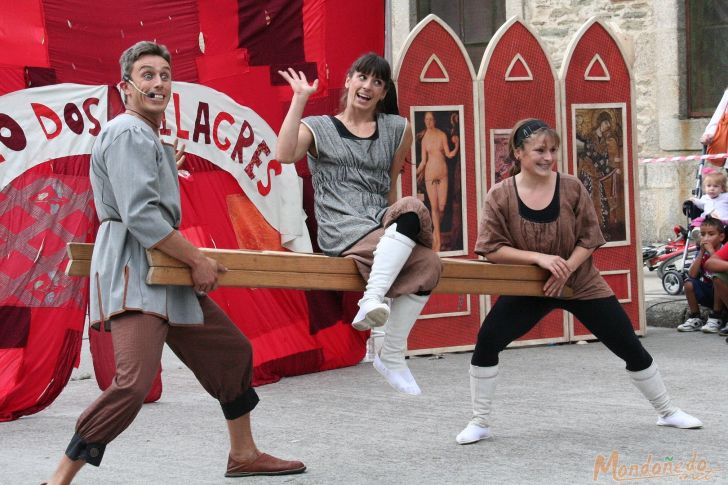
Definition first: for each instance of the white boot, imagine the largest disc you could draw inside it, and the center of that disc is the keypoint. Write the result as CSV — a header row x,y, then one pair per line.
x,y
482,390
649,382
374,343
393,250
390,362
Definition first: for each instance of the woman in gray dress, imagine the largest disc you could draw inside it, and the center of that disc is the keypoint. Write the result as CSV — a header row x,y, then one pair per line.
x,y
355,158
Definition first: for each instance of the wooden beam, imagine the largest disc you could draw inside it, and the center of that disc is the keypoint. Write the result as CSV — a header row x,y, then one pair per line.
x,y
277,269
246,260
315,263
78,267
77,250
480,269
159,275
164,275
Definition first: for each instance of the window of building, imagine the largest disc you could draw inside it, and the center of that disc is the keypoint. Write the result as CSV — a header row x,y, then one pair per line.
x,y
707,54
474,21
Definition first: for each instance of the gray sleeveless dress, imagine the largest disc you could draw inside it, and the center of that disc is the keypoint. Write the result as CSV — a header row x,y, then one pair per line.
x,y
351,179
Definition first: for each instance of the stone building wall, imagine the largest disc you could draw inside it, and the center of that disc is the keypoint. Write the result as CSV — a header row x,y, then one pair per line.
x,y
557,21
651,33
663,187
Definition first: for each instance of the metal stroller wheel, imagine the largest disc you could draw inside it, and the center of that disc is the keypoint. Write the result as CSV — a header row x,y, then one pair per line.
x,y
676,263
673,282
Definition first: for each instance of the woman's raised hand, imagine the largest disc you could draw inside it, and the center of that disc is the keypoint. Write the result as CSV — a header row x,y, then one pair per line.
x,y
298,82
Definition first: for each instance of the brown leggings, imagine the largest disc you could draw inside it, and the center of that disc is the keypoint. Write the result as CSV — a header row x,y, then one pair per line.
x,y
219,355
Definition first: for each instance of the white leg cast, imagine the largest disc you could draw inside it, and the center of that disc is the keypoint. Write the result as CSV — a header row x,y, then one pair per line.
x,y
391,362
393,250
649,382
482,390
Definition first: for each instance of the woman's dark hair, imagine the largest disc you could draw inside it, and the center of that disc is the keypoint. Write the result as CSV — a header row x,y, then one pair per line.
x,y
372,64
522,131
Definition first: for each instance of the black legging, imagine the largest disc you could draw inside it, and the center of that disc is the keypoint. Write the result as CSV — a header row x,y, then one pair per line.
x,y
408,224
513,316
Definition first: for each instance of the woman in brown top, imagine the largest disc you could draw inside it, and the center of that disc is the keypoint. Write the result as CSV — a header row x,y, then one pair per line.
x,y
546,218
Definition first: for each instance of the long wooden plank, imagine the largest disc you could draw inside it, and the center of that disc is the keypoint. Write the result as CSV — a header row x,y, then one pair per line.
x,y
159,275
79,250
313,263
459,268
319,264
463,286
78,267
317,272
271,260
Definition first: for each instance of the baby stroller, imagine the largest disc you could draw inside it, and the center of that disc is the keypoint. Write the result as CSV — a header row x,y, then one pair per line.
x,y
675,270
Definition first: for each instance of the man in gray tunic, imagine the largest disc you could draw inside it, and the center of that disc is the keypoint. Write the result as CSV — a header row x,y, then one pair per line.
x,y
136,193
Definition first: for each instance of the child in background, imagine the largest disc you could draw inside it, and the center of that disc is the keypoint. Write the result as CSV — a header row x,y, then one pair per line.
x,y
699,288
714,201
718,264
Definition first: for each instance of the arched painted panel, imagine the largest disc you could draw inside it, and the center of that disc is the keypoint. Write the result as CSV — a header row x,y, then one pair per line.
x,y
598,127
435,85
516,80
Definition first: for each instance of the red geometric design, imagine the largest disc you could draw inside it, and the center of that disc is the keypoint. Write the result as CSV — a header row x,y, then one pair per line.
x,y
48,199
35,225
597,70
518,69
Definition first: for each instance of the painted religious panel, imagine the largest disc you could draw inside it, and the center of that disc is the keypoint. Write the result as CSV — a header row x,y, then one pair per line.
x,y
600,154
599,138
439,178
502,163
516,80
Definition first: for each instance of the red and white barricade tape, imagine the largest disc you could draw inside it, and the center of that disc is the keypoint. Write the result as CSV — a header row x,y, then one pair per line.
x,y
686,158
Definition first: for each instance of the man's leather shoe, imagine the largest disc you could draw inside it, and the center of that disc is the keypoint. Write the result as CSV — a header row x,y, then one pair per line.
x,y
265,464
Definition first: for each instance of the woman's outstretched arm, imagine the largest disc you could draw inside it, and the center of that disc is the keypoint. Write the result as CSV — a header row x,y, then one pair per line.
x,y
295,139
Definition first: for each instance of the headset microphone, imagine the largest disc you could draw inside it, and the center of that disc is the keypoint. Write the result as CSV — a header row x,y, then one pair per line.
x,y
148,95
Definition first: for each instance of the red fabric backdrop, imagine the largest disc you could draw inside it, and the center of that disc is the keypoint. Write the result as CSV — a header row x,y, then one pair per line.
x,y
234,46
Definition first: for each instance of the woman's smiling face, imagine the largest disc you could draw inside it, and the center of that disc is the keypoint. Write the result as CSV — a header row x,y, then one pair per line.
x,y
538,155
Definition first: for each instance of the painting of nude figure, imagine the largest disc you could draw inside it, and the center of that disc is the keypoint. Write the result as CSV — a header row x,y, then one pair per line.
x,y
439,177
